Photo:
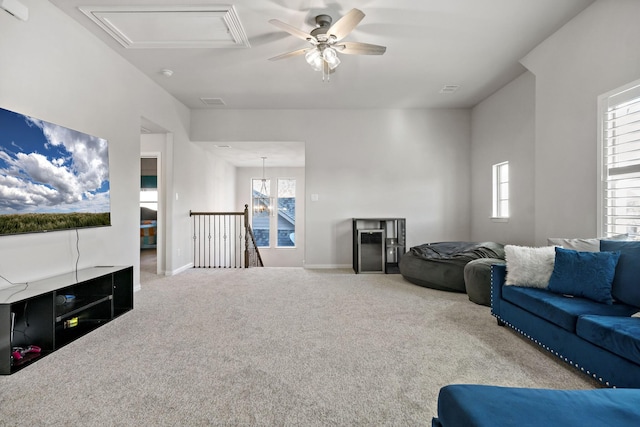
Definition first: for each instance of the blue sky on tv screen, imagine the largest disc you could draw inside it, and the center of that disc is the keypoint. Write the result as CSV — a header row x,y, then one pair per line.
x,y
49,168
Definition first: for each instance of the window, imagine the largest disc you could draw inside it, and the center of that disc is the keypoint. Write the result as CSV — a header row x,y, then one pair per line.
x,y
286,212
501,190
149,192
268,215
149,199
261,218
619,134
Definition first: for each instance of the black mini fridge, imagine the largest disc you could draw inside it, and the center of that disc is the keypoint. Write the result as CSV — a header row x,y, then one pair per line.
x,y
371,251
378,244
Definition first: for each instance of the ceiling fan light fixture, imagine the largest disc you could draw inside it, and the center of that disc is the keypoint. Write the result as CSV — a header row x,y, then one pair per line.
x,y
326,40
331,57
314,58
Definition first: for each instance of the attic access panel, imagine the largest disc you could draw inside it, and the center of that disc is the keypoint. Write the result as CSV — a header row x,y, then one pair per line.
x,y
142,27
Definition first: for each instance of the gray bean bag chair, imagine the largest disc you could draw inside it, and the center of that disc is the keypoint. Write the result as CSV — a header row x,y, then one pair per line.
x,y
441,265
477,279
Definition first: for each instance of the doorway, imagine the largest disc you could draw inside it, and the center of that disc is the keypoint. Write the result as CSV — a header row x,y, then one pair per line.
x,y
155,151
149,204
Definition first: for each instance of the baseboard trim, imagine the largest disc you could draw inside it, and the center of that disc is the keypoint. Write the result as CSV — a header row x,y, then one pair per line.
x,y
179,270
326,266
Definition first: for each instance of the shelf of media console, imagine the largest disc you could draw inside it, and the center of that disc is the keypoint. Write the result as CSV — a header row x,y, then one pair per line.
x,y
30,314
82,308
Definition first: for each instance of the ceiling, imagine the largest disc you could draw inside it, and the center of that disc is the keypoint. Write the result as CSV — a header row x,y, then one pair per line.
x,y
475,44
249,153
431,44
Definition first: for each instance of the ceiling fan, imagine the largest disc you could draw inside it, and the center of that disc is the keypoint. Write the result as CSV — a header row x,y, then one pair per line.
x,y
326,41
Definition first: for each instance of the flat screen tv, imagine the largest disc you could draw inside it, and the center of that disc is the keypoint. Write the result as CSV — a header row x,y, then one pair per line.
x,y
51,177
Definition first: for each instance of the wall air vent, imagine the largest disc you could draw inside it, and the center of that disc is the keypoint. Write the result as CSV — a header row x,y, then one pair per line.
x,y
212,102
449,88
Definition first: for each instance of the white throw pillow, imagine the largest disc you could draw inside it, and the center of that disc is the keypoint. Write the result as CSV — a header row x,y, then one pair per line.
x,y
528,266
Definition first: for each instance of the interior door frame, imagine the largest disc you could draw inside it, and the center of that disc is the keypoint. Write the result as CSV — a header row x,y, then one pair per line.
x,y
160,246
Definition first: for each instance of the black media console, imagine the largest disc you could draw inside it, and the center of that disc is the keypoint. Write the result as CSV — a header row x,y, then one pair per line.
x,y
39,317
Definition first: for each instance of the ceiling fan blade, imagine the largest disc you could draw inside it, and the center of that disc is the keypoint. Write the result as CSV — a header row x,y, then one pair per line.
x,y
290,54
346,24
292,30
355,48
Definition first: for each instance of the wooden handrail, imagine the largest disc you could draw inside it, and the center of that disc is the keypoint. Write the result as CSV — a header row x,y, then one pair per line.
x,y
253,247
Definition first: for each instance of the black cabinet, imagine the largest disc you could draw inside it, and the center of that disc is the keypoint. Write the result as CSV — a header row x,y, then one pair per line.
x,y
370,255
40,317
378,244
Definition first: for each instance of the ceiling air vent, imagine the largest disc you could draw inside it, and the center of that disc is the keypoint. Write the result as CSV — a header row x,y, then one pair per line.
x,y
449,88
212,102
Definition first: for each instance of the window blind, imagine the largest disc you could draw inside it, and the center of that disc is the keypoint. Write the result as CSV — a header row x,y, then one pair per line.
x,y
621,163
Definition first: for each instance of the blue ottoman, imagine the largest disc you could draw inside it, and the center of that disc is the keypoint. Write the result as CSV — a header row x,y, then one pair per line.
x,y
483,405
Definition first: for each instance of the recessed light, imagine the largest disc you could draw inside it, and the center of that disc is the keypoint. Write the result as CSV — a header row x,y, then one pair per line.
x,y
166,72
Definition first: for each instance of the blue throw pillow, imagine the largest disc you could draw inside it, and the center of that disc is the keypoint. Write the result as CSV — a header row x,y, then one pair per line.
x,y
584,274
626,283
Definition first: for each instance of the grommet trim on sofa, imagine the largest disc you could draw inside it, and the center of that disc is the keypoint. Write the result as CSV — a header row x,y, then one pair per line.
x,y
491,291
560,356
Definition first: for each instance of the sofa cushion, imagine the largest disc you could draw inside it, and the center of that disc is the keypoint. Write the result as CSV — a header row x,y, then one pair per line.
x,y
620,335
472,405
626,282
527,266
560,309
585,245
584,274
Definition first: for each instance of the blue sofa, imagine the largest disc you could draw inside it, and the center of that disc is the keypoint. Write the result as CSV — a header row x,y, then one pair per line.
x,y
601,339
465,405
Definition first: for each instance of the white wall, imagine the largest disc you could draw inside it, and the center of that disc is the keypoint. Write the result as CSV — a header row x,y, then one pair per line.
x,y
398,163
412,164
594,53
55,70
365,163
503,129
276,257
203,183
546,121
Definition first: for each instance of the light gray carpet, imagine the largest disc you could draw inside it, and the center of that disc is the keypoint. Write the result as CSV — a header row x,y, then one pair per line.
x,y
276,347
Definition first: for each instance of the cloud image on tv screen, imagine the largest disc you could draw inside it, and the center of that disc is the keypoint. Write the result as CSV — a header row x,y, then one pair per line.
x,y
51,177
